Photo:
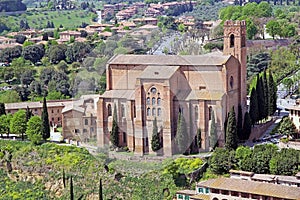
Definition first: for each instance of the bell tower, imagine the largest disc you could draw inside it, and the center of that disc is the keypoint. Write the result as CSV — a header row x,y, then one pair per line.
x,y
235,45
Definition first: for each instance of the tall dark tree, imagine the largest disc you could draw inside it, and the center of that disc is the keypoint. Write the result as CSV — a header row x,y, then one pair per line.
x,y
181,134
45,123
114,134
71,189
272,94
266,94
213,140
100,190
155,142
254,115
199,139
64,178
2,109
246,126
231,131
240,122
28,114
260,97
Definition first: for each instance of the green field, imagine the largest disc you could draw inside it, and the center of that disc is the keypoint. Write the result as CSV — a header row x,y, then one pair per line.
x,y
67,18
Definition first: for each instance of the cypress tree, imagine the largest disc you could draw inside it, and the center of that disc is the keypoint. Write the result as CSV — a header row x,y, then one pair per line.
x,y
100,190
181,134
272,95
253,107
260,98
64,178
266,94
71,189
231,131
246,126
114,134
155,143
213,131
240,122
2,109
199,139
28,114
45,119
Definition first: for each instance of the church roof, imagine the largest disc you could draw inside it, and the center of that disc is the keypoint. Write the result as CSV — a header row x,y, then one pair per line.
x,y
120,94
199,94
214,58
156,72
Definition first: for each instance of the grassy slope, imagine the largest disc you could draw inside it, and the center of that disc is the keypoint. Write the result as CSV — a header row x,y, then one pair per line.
x,y
49,160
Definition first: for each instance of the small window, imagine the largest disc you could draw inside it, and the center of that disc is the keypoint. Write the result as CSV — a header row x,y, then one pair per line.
x,y
158,101
231,82
148,100
123,110
206,190
52,119
57,110
153,101
92,129
109,110
86,122
58,119
159,112
153,111
231,40
196,112
52,111
84,130
200,190
148,111
180,196
209,112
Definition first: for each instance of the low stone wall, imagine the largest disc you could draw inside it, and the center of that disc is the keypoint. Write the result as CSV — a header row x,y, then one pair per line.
x,y
290,144
258,130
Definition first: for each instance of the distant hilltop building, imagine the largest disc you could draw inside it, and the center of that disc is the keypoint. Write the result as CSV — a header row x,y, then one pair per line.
x,y
145,87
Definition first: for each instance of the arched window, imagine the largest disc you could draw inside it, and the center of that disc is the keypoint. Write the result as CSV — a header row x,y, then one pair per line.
x,y
196,112
158,101
153,90
159,112
148,100
148,111
153,101
122,110
109,110
231,82
153,111
231,40
209,112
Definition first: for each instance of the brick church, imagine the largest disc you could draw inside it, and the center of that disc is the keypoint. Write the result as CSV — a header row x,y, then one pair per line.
x,y
145,87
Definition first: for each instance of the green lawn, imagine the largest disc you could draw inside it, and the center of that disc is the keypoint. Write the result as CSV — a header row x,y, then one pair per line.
x,y
68,18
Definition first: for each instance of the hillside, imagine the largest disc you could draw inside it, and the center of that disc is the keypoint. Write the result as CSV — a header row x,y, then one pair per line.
x,y
35,172
12,5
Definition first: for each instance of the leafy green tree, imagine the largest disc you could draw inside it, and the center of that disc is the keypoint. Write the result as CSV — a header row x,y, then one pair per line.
x,y
287,127
246,126
34,130
34,53
45,121
221,161
285,162
272,99
18,123
273,28
114,134
155,142
213,132
77,51
5,124
231,131
181,134
8,54
57,53
254,114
